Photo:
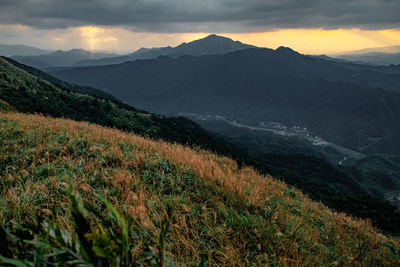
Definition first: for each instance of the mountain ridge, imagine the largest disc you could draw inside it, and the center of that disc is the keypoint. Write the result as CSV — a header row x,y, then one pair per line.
x,y
21,50
60,58
212,44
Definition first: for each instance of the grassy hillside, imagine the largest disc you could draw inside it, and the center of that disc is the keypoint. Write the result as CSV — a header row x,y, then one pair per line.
x,y
192,203
41,93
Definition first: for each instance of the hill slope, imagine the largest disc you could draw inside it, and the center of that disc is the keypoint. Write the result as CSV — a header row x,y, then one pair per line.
x,y
61,84
231,215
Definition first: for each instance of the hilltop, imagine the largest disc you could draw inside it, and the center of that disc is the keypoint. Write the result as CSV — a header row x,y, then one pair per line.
x,y
222,213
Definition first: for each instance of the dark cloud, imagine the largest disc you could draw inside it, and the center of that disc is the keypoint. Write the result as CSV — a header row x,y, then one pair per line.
x,y
203,15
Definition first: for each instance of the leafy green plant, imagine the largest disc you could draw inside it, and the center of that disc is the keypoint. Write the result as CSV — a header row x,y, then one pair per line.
x,y
96,239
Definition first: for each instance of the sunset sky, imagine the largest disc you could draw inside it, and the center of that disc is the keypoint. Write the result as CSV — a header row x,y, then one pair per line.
x,y
309,26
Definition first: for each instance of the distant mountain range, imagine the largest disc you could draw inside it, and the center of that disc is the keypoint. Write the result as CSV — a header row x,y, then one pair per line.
x,y
21,50
212,44
386,49
61,58
375,58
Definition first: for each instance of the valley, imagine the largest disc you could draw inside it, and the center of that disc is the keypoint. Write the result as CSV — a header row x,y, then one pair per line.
x,y
274,138
285,131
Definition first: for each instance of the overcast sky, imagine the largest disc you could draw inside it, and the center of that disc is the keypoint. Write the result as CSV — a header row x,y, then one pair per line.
x,y
138,22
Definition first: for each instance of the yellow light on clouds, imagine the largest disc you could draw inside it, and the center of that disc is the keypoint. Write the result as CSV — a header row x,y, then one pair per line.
x,y
307,41
318,41
119,39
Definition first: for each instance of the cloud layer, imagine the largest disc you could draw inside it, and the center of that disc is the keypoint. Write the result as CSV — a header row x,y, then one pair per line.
x,y
203,15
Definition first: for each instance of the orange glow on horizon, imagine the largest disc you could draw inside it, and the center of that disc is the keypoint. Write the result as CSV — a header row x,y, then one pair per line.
x,y
321,41
307,41
122,40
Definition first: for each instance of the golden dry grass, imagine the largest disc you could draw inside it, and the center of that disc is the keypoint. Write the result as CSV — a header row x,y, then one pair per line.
x,y
234,215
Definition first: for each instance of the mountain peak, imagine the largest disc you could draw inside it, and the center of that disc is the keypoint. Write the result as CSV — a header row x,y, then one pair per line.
x,y
216,44
285,50
214,36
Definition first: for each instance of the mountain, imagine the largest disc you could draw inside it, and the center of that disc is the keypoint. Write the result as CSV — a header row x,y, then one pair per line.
x,y
79,193
212,44
352,105
375,58
317,177
20,50
61,58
